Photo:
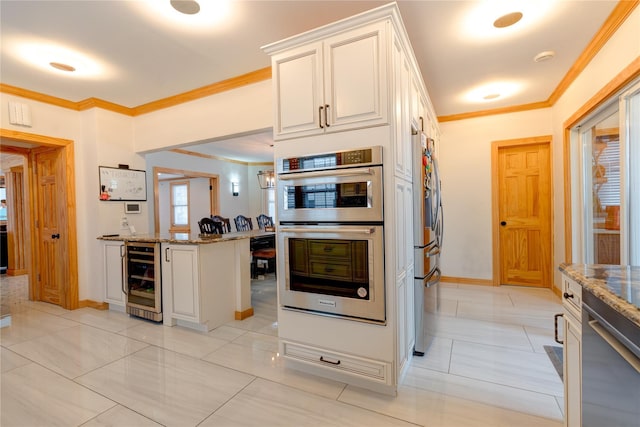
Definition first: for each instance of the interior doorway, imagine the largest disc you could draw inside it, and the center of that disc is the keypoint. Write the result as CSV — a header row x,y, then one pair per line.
x,y
521,204
52,267
161,174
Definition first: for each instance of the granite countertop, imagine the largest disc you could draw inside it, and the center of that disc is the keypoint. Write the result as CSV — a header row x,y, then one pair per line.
x,y
185,238
617,285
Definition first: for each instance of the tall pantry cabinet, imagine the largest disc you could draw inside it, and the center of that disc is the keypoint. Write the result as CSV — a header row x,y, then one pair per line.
x,y
348,85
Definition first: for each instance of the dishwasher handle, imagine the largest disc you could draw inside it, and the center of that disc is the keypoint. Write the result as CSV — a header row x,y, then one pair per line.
x,y
615,344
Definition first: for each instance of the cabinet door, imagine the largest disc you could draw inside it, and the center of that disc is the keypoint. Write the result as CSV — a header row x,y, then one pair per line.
x,y
355,76
401,228
114,273
183,269
297,80
572,373
401,298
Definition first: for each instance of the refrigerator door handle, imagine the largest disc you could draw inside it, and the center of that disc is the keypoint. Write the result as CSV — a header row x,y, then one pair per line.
x,y
433,281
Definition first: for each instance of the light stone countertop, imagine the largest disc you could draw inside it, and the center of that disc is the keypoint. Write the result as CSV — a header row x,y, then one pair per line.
x,y
186,238
616,285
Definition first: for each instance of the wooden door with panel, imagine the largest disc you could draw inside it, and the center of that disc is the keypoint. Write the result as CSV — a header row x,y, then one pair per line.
x,y
524,214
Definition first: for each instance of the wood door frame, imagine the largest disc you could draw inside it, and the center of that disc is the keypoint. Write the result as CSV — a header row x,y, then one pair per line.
x,y
495,197
214,192
25,143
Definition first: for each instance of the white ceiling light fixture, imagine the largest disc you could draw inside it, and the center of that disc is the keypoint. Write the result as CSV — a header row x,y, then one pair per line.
x,y
544,56
508,20
497,19
194,16
492,92
188,7
59,59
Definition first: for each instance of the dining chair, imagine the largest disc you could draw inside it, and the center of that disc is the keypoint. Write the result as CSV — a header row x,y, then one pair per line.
x,y
264,221
243,223
209,226
226,224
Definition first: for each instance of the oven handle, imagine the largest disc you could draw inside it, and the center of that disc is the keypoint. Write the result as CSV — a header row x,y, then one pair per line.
x,y
330,172
327,230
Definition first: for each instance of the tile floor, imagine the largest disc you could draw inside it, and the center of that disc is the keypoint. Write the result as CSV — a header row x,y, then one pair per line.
x,y
486,367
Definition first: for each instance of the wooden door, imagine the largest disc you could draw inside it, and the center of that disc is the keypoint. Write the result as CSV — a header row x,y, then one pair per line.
x,y
524,214
51,226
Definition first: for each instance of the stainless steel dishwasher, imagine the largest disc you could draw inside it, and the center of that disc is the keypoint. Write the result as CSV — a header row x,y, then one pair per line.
x,y
610,366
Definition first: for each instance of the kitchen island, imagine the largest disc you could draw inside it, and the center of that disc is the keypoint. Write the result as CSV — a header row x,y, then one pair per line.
x,y
205,278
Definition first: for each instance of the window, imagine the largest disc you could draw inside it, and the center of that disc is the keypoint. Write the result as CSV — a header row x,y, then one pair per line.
x,y
179,191
606,227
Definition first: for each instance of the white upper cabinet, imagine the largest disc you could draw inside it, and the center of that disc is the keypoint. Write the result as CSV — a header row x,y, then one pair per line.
x,y
332,85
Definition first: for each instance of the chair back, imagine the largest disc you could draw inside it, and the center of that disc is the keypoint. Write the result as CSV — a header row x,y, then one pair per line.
x,y
226,224
264,221
243,223
209,226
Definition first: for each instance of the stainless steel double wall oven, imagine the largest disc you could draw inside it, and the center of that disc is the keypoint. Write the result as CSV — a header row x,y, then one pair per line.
x,y
330,209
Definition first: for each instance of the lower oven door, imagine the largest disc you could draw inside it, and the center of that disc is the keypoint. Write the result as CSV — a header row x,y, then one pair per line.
x,y
335,270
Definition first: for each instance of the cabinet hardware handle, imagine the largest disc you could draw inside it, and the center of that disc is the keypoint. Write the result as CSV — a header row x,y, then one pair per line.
x,y
55,236
421,123
326,115
166,254
555,326
322,359
329,270
567,295
503,223
320,116
328,249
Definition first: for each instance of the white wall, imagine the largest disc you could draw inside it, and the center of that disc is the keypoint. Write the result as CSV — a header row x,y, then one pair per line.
x,y
465,160
241,110
465,167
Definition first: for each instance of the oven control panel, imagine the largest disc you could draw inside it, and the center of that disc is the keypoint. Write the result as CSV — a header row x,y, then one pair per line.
x,y
335,160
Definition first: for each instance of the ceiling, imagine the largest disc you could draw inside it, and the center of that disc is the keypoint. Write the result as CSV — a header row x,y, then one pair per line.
x,y
142,57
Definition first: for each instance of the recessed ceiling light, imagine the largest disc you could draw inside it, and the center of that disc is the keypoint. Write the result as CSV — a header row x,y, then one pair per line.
x,y
507,20
188,7
543,56
491,96
62,67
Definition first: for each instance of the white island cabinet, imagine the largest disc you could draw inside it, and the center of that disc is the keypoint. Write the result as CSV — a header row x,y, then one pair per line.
x,y
202,284
572,353
331,85
114,275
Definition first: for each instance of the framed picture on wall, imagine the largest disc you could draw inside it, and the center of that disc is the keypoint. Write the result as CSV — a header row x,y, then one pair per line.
x,y
121,184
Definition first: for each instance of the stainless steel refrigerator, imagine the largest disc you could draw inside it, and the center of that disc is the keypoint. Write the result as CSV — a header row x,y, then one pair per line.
x,y
427,239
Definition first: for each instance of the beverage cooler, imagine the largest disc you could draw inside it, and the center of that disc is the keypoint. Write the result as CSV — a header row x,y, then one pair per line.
x,y
143,287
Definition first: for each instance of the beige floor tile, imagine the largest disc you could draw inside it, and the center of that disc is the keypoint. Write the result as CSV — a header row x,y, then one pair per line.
x,y
34,396
226,333
520,369
531,316
269,365
30,324
437,356
179,339
479,331
540,337
427,408
110,320
120,416
169,388
515,399
10,360
476,294
277,405
78,350
258,341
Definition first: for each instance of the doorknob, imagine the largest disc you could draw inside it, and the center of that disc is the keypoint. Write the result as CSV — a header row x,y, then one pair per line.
x,y
503,223
55,236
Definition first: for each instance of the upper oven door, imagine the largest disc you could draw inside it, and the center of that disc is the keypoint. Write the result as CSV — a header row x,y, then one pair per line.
x,y
333,195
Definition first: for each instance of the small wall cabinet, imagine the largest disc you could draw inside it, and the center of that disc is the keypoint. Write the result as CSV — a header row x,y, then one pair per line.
x,y
332,85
